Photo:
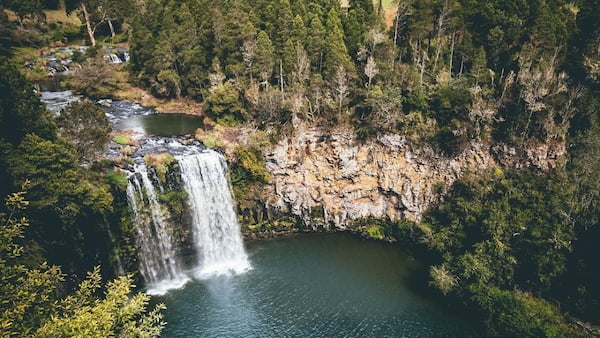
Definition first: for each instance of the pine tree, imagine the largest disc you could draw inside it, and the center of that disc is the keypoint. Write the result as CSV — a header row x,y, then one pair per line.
x,y
354,32
364,10
236,29
299,8
282,25
189,55
298,33
315,44
336,53
264,57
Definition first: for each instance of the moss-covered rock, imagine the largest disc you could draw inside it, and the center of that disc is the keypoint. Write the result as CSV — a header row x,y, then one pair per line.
x,y
160,163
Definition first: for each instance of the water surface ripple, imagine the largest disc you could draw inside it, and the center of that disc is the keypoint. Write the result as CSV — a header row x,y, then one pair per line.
x,y
331,285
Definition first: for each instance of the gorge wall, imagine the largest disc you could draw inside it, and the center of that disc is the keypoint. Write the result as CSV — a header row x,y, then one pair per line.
x,y
329,179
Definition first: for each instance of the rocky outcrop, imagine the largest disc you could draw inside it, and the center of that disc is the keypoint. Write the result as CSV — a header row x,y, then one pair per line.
x,y
330,179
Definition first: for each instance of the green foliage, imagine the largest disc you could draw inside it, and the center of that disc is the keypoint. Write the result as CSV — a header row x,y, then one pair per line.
x,y
518,314
317,211
223,104
122,139
212,141
264,56
28,296
315,44
116,179
21,111
176,201
170,83
508,230
85,125
96,79
115,314
336,53
462,64
26,9
64,204
252,161
272,224
25,295
374,232
385,229
443,279
248,177
493,218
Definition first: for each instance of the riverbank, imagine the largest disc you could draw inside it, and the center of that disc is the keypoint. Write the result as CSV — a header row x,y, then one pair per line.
x,y
164,106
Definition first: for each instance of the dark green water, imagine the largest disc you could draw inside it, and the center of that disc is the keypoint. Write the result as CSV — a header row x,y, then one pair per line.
x,y
318,285
163,124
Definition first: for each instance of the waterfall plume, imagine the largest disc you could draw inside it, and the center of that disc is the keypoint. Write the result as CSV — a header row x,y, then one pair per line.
x,y
215,239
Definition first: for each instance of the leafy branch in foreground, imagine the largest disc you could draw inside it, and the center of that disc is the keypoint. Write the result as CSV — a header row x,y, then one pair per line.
x,y
29,305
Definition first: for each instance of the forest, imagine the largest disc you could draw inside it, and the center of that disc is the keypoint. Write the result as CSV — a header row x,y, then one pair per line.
x,y
517,246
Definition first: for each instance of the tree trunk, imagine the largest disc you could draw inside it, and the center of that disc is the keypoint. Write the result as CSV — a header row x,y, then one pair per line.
x,y
451,54
281,75
441,29
422,67
112,29
88,25
396,19
321,63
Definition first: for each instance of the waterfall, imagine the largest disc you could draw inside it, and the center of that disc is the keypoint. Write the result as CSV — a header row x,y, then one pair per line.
x,y
217,236
217,242
159,264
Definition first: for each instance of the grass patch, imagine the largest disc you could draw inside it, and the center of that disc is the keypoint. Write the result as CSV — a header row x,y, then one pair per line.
x,y
127,93
60,16
160,163
116,179
122,139
25,53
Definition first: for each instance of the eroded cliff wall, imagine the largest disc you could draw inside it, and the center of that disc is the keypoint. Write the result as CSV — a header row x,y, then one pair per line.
x,y
332,178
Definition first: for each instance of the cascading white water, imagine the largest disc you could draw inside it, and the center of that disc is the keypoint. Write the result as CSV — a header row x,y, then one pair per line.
x,y
159,264
217,236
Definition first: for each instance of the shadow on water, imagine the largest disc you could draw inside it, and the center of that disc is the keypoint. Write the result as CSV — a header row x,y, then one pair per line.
x,y
49,84
162,124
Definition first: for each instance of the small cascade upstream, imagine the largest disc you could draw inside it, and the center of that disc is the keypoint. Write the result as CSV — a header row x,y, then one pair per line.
x,y
217,236
159,264
167,258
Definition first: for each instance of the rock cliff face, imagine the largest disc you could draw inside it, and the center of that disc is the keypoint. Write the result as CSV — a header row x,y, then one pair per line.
x,y
330,179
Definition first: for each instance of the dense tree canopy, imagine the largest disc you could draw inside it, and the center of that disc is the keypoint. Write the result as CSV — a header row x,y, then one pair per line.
x,y
506,60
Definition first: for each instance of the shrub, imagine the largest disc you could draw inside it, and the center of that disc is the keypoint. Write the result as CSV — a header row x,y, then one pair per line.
x,y
160,163
116,179
374,232
252,161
